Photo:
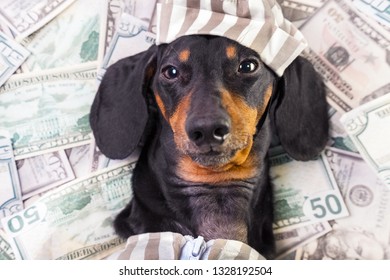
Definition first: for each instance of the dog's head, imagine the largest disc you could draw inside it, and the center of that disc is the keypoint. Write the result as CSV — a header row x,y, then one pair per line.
x,y
214,94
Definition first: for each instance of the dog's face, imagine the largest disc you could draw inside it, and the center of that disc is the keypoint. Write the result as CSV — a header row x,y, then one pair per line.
x,y
212,92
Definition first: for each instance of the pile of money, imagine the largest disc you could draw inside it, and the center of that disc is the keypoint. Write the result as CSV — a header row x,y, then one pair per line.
x,y
59,194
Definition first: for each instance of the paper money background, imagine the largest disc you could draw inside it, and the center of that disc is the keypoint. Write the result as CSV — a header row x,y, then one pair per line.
x,y
59,194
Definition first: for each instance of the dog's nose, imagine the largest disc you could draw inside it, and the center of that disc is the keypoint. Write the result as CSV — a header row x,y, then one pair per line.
x,y
206,131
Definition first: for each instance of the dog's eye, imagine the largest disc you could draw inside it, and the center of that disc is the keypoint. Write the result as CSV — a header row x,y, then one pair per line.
x,y
170,72
247,66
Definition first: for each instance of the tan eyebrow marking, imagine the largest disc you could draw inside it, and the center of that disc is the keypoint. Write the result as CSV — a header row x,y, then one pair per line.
x,y
184,55
231,52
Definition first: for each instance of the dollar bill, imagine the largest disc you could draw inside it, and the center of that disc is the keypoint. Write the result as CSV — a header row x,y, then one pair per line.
x,y
6,252
130,38
41,173
113,11
338,137
69,39
298,11
48,111
304,192
350,53
365,233
12,56
369,129
98,161
6,30
79,158
378,10
25,17
73,221
10,192
290,240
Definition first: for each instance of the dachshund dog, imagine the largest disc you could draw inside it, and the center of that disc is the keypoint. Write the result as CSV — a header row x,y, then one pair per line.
x,y
205,109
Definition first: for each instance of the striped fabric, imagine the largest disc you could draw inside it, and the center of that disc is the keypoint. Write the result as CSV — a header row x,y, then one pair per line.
x,y
257,24
174,246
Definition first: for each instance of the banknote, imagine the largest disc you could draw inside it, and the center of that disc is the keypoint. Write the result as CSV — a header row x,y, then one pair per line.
x,y
365,233
10,193
304,192
131,32
369,129
25,17
73,221
48,111
69,39
113,10
6,252
12,56
79,159
98,161
6,30
289,240
378,10
338,137
350,53
41,173
298,11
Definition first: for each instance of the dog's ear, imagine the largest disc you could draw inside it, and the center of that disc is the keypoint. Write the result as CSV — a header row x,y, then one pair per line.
x,y
300,116
119,113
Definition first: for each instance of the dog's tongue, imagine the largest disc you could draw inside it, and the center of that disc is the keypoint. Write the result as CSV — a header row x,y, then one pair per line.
x,y
256,24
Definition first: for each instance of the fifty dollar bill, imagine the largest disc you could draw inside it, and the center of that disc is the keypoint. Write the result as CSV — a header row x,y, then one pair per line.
x,y
26,17
12,56
351,54
73,221
10,193
48,111
369,129
304,192
41,173
365,234
71,38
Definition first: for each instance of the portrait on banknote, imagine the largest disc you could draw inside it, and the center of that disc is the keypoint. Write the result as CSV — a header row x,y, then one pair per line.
x,y
345,244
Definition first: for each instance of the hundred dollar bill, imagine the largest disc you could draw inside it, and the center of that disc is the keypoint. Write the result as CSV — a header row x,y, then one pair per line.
x,y
130,38
73,221
113,10
304,192
10,193
48,111
12,56
290,240
6,252
365,233
369,129
378,10
41,173
351,54
25,17
69,39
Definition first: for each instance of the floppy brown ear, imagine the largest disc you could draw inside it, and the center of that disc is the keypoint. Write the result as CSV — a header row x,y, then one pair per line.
x,y
301,117
119,113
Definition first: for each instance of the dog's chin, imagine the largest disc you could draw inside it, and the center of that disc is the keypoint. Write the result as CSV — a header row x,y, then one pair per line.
x,y
212,159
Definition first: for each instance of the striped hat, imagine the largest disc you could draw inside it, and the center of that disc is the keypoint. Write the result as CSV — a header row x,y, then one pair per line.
x,y
257,24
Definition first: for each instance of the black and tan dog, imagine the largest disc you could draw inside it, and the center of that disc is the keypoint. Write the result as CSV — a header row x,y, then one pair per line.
x,y
204,109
